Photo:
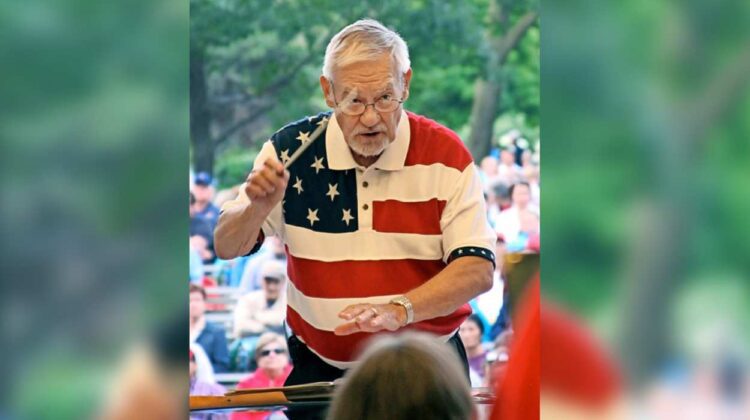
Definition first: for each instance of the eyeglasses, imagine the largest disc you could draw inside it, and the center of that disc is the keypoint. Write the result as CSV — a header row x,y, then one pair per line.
x,y
355,107
264,353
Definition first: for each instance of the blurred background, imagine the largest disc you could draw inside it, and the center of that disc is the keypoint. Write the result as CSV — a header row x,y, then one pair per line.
x,y
94,125
646,118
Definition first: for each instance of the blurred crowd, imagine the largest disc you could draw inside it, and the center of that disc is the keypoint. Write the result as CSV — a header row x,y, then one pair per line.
x,y
238,307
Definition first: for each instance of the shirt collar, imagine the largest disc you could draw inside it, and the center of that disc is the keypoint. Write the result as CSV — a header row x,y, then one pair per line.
x,y
393,157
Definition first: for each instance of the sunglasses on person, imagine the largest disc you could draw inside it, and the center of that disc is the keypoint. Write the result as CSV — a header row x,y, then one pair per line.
x,y
266,352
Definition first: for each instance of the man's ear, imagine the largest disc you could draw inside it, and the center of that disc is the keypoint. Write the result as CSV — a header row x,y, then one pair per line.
x,y
325,85
407,80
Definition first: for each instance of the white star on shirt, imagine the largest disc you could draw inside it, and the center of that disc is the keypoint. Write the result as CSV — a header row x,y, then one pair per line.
x,y
298,185
323,121
347,216
333,191
284,155
460,251
304,136
318,165
312,216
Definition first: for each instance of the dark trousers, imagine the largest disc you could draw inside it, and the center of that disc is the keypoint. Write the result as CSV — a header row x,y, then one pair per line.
x,y
308,367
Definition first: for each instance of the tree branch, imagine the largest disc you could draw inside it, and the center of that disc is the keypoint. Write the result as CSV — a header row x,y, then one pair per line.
x,y
242,98
722,92
505,44
283,80
224,136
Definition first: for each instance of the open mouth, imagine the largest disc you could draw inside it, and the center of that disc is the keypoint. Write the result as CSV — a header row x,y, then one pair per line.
x,y
371,133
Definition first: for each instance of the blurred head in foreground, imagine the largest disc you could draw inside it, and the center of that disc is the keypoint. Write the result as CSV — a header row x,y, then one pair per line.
x,y
150,381
406,376
556,368
579,379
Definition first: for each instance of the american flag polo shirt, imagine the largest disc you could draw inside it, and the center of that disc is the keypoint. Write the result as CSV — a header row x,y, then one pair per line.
x,y
356,235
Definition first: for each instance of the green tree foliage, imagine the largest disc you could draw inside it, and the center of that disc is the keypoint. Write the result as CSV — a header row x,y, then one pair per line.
x,y
255,67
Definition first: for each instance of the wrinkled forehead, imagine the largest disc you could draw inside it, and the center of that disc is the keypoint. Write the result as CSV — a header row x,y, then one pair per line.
x,y
366,75
359,90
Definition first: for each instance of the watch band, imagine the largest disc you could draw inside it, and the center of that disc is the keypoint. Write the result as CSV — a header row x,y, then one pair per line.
x,y
406,303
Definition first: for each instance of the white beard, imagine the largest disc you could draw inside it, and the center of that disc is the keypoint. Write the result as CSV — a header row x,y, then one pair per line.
x,y
370,149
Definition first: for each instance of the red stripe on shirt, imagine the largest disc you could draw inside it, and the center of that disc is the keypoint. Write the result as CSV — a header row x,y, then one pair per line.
x,y
354,279
431,143
422,217
346,347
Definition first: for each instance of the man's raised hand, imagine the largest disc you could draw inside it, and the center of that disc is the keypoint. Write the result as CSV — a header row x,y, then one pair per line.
x,y
266,185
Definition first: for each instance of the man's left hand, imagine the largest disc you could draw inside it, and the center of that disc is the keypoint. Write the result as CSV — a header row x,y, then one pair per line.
x,y
366,317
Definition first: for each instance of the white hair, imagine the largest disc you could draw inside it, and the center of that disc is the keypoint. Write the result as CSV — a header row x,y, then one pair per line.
x,y
365,40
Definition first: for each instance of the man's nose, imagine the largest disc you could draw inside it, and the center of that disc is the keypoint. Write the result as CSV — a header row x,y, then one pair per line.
x,y
370,117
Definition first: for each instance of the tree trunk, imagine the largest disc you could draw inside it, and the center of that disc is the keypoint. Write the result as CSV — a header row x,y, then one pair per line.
x,y
483,112
484,109
658,256
200,116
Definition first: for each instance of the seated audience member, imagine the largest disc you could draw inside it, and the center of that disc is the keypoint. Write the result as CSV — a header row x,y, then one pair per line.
x,y
210,336
488,171
507,170
501,321
204,371
497,359
498,199
405,376
201,388
519,221
198,386
490,302
258,312
471,333
264,309
201,234
273,249
203,190
272,359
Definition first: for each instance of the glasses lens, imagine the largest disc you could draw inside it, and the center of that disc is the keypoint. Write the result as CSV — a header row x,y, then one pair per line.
x,y
265,353
386,105
354,108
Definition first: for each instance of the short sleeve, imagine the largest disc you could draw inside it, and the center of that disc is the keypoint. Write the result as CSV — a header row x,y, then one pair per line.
x,y
466,231
273,223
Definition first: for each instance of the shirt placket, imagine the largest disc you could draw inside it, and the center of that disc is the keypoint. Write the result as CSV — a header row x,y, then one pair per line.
x,y
365,178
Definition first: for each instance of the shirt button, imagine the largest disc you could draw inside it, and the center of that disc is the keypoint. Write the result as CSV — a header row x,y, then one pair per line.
x,y
365,207
365,184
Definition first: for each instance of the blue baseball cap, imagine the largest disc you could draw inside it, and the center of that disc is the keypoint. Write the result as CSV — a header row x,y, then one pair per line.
x,y
203,178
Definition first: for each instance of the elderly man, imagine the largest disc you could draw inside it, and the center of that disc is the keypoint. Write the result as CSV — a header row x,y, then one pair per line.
x,y
383,217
